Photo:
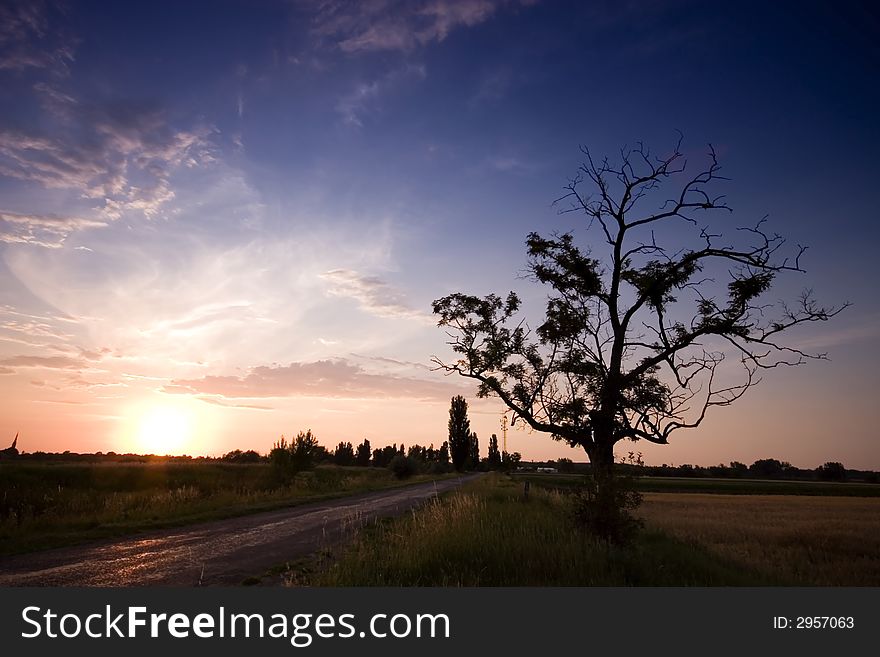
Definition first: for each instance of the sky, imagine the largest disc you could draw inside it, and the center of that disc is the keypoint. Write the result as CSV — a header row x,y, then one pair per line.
x,y
225,221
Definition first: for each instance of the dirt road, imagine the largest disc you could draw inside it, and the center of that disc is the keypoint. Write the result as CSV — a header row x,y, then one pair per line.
x,y
223,552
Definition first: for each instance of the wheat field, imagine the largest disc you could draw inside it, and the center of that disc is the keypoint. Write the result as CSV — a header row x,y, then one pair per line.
x,y
818,541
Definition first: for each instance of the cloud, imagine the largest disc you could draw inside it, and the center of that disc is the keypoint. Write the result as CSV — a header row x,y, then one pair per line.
x,y
48,231
493,87
324,378
120,155
401,25
363,99
30,38
220,402
209,314
170,301
393,362
351,105
30,326
510,164
47,362
373,295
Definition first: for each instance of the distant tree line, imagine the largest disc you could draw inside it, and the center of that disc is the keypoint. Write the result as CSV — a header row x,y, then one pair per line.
x,y
760,469
461,452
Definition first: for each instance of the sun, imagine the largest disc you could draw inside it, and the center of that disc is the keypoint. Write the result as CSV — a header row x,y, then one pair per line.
x,y
164,430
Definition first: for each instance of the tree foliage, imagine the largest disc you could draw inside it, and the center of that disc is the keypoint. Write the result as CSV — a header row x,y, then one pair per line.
x,y
344,454
473,460
300,454
362,457
493,458
831,471
459,432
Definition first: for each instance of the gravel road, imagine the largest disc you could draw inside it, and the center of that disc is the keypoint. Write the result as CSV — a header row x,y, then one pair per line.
x,y
223,552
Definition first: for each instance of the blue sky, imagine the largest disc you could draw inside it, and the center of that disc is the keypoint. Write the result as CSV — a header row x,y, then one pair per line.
x,y
237,214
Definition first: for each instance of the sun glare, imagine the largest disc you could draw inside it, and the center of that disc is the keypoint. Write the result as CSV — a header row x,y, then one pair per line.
x,y
164,430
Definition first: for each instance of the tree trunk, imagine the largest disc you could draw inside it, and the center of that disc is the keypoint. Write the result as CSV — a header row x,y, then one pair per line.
x,y
605,514
602,460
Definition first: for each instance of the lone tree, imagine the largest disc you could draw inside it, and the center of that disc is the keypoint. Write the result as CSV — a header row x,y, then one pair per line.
x,y
635,330
459,432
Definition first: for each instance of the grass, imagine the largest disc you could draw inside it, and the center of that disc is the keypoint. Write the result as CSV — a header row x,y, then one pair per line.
x,y
487,535
724,486
809,541
45,505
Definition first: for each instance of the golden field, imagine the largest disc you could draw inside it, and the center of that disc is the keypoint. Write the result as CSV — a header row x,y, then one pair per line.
x,y
799,540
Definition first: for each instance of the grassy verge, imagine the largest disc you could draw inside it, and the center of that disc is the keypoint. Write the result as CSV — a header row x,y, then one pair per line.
x,y
48,505
487,535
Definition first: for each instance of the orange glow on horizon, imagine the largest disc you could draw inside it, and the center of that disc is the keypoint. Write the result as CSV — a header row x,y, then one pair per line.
x,y
165,427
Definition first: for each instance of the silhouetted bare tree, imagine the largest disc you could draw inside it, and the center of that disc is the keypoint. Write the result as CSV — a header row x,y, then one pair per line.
x,y
633,339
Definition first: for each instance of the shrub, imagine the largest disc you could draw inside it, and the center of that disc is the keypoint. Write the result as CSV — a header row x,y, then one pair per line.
x,y
403,466
608,516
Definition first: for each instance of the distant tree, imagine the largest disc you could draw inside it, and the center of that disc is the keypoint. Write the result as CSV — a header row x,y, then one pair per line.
x,y
510,461
279,456
418,453
238,456
459,432
564,465
831,471
382,457
363,453
443,454
474,452
344,454
768,468
493,458
305,451
739,469
633,339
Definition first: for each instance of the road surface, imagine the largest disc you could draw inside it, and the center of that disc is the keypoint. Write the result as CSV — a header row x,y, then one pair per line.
x,y
223,552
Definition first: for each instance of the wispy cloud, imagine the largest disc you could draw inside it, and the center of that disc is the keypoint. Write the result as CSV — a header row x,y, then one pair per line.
x,y
364,97
48,231
508,163
46,362
31,38
117,156
373,295
402,25
323,378
492,87
219,401
353,104
27,326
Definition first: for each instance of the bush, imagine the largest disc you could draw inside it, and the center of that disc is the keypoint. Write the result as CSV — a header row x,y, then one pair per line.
x,y
608,513
403,466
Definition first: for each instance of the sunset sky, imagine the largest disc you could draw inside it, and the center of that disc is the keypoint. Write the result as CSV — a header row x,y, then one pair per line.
x,y
225,221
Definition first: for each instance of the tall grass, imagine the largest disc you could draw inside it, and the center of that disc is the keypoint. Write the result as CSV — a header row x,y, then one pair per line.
x,y
488,535
45,505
